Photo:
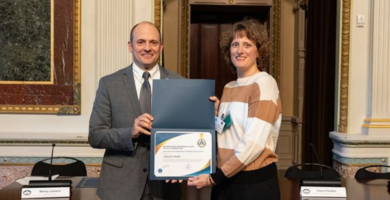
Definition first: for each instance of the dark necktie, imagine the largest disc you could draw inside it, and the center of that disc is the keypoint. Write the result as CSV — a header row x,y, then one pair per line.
x,y
145,103
145,95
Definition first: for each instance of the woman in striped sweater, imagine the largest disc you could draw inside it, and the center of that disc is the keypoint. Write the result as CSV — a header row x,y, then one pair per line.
x,y
246,147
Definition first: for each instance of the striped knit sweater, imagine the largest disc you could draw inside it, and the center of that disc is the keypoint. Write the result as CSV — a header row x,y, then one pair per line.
x,y
250,142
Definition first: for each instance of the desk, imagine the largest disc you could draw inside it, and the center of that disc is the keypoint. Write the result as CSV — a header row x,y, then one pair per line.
x,y
376,189
12,191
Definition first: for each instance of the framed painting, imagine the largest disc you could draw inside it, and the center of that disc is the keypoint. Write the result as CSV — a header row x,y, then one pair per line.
x,y
40,68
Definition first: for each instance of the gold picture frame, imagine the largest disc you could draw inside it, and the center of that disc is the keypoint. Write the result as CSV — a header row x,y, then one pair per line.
x,y
62,93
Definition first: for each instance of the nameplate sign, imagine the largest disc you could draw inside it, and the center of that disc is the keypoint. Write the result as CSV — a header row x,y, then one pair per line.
x,y
45,192
323,191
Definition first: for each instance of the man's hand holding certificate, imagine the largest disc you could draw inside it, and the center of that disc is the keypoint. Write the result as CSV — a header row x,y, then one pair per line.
x,y
183,134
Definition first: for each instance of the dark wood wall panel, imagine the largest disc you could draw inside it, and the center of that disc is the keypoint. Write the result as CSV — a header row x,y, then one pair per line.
x,y
194,52
209,48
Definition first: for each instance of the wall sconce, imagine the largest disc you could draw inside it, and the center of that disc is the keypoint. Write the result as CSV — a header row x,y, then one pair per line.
x,y
301,4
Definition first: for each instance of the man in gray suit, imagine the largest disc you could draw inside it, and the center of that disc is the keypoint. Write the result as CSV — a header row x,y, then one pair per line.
x,y
119,124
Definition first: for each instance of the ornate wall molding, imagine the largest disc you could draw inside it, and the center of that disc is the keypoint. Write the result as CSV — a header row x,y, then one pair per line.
x,y
32,144
62,93
359,140
92,161
276,39
157,13
184,30
347,167
344,77
349,171
353,151
361,161
41,142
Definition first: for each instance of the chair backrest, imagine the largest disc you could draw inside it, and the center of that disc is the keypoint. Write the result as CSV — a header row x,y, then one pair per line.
x,y
75,168
366,173
296,172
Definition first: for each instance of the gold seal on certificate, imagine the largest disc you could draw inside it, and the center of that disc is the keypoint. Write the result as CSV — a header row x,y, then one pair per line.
x,y
201,141
182,154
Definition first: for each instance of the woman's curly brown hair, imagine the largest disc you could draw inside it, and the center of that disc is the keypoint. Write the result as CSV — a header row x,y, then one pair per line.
x,y
254,31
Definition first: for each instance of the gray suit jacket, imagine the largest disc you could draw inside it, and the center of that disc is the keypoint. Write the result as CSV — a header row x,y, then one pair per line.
x,y
125,164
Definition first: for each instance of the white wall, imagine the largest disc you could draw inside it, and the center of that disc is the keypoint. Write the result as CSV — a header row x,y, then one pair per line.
x,y
359,66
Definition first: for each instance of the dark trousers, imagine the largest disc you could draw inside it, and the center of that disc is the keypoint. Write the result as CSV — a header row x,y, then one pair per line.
x,y
247,185
147,194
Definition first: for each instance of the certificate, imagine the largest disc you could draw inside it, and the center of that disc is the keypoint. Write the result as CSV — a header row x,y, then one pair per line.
x,y
182,154
183,135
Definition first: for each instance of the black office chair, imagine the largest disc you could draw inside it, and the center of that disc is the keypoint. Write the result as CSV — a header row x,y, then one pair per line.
x,y
74,168
321,172
366,173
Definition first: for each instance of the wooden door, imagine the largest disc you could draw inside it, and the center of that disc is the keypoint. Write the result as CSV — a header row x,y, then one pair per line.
x,y
207,25
206,60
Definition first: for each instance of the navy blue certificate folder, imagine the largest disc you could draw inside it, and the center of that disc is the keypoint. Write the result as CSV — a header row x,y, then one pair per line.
x,y
183,134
